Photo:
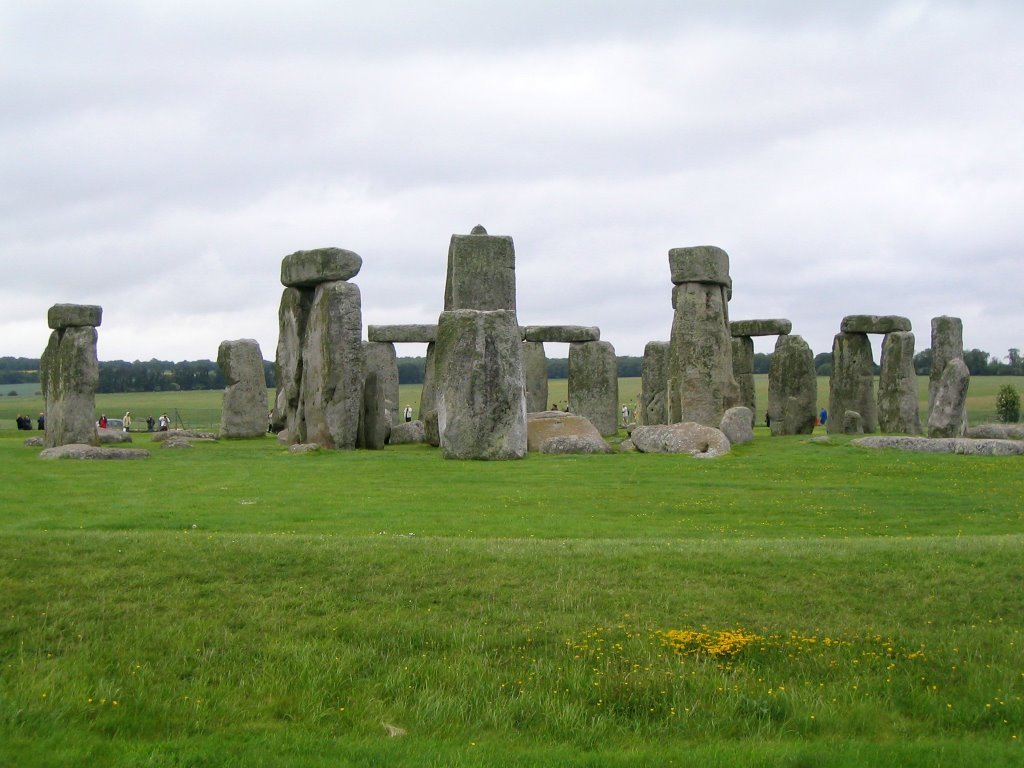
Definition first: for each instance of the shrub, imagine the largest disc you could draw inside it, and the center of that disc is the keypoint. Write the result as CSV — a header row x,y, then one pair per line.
x,y
1008,404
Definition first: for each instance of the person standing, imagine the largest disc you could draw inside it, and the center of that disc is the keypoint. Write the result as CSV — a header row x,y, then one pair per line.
x,y
408,413
127,421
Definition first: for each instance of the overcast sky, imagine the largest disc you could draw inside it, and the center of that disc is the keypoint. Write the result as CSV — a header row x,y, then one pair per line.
x,y
160,158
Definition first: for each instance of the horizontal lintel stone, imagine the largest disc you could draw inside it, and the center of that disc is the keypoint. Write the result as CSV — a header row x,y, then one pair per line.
x,y
874,324
699,264
773,327
306,269
402,334
566,334
74,315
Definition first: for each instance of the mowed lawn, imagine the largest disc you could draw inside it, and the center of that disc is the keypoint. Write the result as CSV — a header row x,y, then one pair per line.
x,y
792,603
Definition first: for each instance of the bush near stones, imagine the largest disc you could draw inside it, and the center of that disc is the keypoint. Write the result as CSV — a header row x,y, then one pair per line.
x,y
1008,404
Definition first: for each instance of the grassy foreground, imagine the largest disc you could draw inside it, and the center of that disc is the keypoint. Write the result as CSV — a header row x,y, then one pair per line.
x,y
789,604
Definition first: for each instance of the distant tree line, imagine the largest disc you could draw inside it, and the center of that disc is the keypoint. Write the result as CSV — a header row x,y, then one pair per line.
x,y
164,375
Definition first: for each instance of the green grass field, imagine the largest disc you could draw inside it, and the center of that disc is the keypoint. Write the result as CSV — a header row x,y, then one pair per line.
x,y
792,604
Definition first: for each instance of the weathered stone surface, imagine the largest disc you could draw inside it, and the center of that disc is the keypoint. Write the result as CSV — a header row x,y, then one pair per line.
x,y
563,334
402,334
481,273
428,398
34,442
61,316
301,448
700,380
852,423
775,327
332,368
738,425
188,434
481,398
382,358
307,269
594,384
407,432
292,316
535,369
373,418
743,371
69,374
689,437
544,425
792,387
653,405
628,446
852,384
244,411
177,441
898,409
874,324
112,436
699,264
997,431
958,445
947,345
573,444
947,415
92,452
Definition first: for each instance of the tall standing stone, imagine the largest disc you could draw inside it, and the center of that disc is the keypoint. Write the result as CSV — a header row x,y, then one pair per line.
x,y
69,375
292,316
700,379
332,375
792,387
852,384
481,272
374,426
319,360
428,398
481,399
898,409
244,411
535,369
594,384
947,345
946,418
653,405
743,371
380,356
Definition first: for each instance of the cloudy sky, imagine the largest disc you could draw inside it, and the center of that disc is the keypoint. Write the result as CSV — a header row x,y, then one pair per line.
x,y
160,158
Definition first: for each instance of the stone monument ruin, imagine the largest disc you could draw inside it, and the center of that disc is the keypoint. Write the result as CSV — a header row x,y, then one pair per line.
x,y
244,412
69,374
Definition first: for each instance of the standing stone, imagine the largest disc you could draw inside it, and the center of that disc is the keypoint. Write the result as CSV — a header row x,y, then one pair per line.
x,y
69,375
653,405
898,410
947,345
292,316
382,358
332,360
481,272
792,387
700,380
738,425
852,384
947,414
428,398
852,423
535,368
481,398
373,418
244,412
743,371
594,384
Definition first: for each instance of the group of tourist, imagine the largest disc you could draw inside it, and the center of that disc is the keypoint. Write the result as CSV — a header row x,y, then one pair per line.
x,y
25,422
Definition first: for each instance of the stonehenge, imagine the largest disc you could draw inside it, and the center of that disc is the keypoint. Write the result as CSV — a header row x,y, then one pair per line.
x,y
69,375
244,410
947,346
792,387
743,332
653,405
319,362
700,380
594,384
898,410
